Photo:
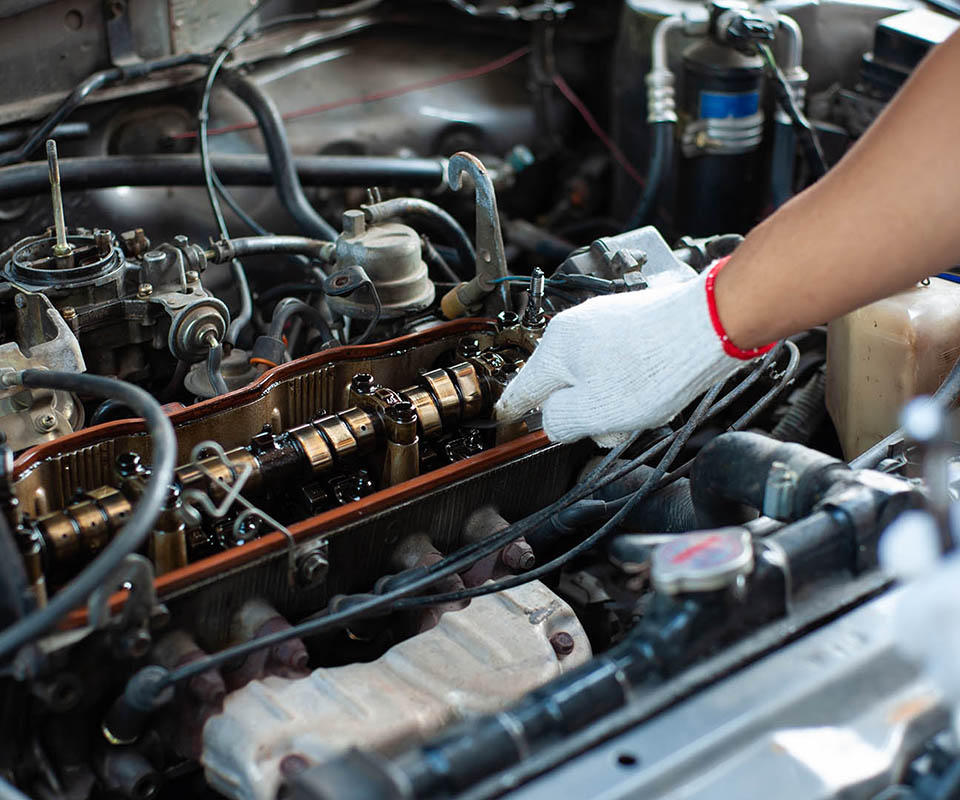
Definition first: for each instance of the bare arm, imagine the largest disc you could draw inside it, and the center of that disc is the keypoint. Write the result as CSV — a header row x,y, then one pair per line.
x,y
885,217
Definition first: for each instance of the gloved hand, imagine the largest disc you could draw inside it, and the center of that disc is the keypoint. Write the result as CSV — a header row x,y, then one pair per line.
x,y
625,362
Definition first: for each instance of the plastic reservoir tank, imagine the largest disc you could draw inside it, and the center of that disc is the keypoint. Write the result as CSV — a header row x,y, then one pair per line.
x,y
884,354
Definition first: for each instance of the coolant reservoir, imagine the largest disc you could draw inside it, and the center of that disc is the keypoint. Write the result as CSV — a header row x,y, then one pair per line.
x,y
886,353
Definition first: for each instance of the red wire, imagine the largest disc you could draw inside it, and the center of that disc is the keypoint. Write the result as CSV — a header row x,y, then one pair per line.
x,y
453,77
611,145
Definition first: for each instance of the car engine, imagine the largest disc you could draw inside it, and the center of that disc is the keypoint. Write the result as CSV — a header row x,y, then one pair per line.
x,y
266,269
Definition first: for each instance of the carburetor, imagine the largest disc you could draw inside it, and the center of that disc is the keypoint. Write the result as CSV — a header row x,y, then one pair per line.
x,y
87,300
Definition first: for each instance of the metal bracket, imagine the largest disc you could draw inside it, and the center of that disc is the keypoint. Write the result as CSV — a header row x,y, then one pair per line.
x,y
136,572
491,259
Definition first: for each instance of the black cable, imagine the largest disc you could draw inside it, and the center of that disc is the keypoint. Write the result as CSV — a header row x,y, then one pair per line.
x,y
140,524
661,162
375,319
679,441
432,258
236,268
237,209
786,379
807,136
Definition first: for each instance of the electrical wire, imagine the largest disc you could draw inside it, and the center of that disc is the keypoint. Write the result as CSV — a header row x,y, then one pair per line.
x,y
614,149
236,267
141,521
809,141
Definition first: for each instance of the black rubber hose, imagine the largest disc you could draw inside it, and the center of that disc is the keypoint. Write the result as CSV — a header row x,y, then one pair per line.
x,y
227,249
668,510
288,184
292,306
731,472
661,162
110,410
807,412
104,172
140,525
417,212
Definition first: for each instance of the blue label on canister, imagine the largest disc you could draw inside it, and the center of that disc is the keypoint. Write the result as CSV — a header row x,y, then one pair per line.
x,y
721,105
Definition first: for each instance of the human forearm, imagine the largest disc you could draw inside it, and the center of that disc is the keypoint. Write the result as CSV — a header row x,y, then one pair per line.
x,y
883,218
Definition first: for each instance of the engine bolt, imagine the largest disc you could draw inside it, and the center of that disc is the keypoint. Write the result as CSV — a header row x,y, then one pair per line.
x,y
144,290
192,276
468,347
362,383
312,569
562,643
518,556
46,423
68,312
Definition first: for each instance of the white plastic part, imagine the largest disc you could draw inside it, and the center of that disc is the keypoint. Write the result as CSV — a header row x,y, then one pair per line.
x,y
477,660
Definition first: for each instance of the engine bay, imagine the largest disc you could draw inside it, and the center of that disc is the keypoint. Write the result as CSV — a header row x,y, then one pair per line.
x,y
296,554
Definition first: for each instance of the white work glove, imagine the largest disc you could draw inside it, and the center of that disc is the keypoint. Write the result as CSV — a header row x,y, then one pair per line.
x,y
621,363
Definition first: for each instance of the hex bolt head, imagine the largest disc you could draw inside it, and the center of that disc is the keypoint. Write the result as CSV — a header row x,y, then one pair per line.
x,y
562,643
518,556
362,383
68,312
192,276
354,222
129,464
468,347
312,569
144,290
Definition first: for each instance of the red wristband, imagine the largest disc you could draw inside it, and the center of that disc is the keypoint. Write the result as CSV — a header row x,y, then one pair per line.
x,y
728,346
